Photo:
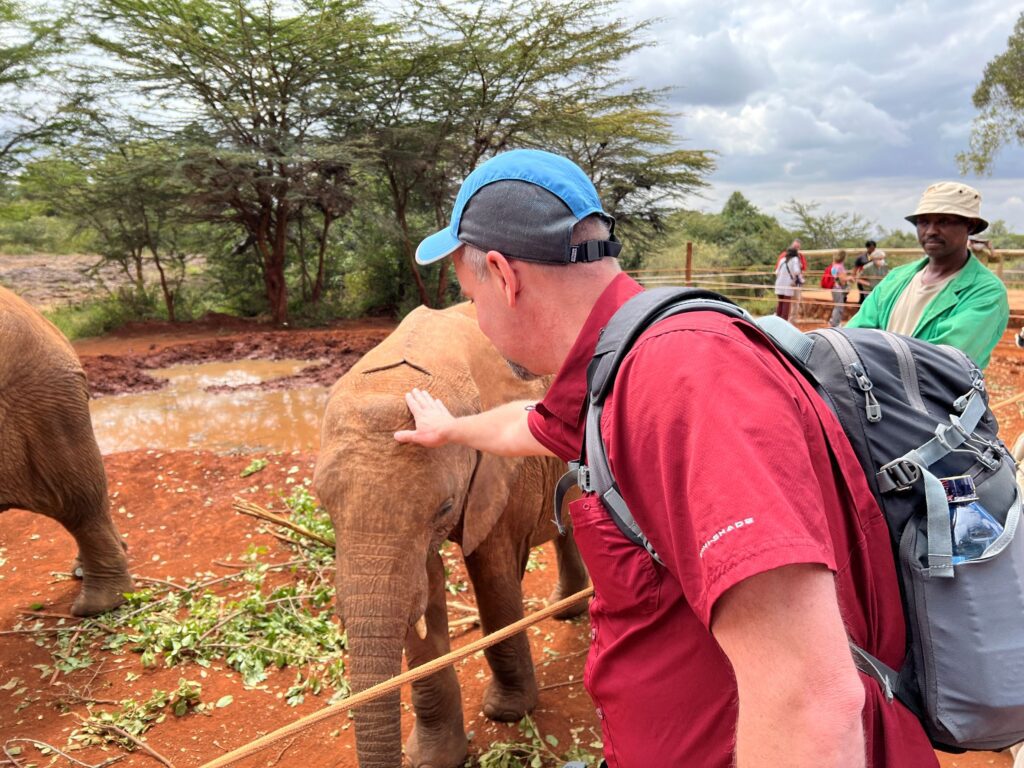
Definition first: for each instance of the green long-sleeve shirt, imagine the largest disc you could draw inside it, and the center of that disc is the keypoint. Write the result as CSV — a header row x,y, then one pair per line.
x,y
970,313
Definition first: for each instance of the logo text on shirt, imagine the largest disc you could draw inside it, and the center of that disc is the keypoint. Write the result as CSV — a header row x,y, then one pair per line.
x,y
723,531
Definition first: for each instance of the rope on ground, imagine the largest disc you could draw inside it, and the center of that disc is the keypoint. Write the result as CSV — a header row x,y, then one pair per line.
x,y
395,683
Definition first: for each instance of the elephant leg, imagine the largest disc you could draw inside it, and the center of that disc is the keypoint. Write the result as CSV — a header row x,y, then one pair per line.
x,y
438,739
572,576
84,511
497,581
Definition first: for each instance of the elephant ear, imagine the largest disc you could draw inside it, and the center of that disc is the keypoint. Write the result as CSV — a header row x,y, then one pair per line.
x,y
488,497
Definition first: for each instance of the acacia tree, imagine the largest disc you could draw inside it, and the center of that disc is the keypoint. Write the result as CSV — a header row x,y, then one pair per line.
x,y
469,80
129,193
623,143
830,229
1000,99
29,113
257,82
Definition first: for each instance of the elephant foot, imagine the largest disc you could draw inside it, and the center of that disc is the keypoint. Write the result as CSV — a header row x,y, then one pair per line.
x,y
94,599
509,705
445,748
574,610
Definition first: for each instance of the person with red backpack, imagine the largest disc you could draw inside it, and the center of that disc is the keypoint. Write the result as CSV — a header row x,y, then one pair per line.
x,y
837,279
732,649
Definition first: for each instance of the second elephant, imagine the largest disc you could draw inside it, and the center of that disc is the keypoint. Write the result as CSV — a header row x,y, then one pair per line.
x,y
49,460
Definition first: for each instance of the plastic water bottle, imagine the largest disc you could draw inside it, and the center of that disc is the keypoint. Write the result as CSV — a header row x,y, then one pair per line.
x,y
974,529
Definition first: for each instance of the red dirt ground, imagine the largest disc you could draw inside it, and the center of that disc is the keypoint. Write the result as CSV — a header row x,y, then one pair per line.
x,y
175,510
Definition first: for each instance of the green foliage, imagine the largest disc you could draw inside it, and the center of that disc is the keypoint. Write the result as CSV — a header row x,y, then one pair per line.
x,y
256,465
134,718
741,235
897,238
1002,237
306,513
829,229
31,112
98,316
538,750
999,98
258,628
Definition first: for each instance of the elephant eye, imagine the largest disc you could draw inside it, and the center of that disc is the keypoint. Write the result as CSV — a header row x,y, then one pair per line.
x,y
445,508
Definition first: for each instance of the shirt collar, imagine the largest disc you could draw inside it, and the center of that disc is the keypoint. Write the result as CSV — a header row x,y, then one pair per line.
x,y
568,391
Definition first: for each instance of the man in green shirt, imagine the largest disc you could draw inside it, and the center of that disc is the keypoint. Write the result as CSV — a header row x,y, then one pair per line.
x,y
948,297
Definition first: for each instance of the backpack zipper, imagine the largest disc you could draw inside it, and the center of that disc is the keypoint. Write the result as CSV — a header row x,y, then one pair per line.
x,y
854,370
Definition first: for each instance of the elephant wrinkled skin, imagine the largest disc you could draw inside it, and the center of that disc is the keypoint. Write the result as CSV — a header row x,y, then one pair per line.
x,y
49,460
393,505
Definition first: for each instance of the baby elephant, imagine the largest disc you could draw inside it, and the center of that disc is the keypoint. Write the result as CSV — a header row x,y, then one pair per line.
x,y
49,460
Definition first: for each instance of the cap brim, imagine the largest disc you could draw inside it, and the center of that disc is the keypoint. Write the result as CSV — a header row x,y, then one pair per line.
x,y
436,247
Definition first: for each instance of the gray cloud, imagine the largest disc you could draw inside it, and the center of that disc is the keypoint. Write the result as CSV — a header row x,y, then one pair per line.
x,y
831,96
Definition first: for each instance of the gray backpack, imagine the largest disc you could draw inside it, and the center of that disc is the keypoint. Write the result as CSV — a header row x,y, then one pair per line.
x,y
914,412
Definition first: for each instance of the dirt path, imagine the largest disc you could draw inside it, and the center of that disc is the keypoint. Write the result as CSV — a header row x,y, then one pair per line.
x,y
175,510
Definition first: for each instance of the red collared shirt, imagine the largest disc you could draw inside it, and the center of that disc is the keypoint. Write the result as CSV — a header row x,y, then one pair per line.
x,y
719,448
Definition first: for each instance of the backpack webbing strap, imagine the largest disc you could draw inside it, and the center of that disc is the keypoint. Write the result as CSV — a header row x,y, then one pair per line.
x,y
787,337
592,473
903,472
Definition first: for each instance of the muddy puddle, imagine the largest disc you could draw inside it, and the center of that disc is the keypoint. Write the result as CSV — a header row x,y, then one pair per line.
x,y
215,406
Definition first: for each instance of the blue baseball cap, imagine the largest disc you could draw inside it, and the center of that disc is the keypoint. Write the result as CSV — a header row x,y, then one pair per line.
x,y
523,204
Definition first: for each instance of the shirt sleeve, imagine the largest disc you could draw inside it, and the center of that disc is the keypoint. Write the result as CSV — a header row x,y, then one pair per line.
x,y
711,454
554,434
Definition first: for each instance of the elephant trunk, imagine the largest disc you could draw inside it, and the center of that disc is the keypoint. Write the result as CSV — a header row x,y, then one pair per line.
x,y
376,627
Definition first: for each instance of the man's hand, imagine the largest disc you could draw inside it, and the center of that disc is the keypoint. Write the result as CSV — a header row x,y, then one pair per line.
x,y
433,421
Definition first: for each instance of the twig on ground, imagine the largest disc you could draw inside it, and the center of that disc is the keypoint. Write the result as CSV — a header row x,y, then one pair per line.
x,y
139,743
255,510
163,582
43,745
462,607
475,619
281,753
563,684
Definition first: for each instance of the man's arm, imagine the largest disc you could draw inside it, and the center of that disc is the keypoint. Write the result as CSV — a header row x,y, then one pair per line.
x,y
800,696
503,430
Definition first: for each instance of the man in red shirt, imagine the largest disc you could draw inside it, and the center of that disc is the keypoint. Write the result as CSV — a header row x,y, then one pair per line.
x,y
735,651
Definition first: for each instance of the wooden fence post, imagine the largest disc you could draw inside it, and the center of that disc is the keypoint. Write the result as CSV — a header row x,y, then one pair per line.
x,y
689,263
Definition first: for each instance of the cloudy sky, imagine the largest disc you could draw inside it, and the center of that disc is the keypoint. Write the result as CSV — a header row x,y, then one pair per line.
x,y
855,104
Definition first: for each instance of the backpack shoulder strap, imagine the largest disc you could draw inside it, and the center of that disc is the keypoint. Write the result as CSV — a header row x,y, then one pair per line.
x,y
592,472
636,316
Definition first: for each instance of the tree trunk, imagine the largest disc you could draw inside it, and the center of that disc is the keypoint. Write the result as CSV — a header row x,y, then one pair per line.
x,y
410,252
168,292
318,286
277,287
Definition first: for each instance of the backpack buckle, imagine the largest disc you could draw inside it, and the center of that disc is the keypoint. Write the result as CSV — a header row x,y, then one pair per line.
x,y
902,473
583,478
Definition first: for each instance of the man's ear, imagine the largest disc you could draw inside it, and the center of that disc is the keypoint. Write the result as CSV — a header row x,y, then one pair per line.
x,y
506,274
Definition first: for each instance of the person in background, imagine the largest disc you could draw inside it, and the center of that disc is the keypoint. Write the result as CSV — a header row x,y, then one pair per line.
x,y
872,274
788,279
948,297
794,301
840,283
733,651
863,286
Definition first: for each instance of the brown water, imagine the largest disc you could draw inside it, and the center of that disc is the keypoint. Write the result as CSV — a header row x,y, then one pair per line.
x,y
182,416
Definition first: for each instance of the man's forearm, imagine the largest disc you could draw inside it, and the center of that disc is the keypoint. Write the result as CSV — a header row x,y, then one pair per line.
x,y
502,430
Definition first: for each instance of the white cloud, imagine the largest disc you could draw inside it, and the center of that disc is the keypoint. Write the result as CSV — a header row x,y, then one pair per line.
x,y
831,95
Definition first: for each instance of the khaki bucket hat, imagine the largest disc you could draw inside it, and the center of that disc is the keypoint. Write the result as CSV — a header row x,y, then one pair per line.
x,y
954,198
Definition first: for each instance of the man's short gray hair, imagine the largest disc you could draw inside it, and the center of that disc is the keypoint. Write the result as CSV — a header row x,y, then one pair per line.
x,y
592,227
